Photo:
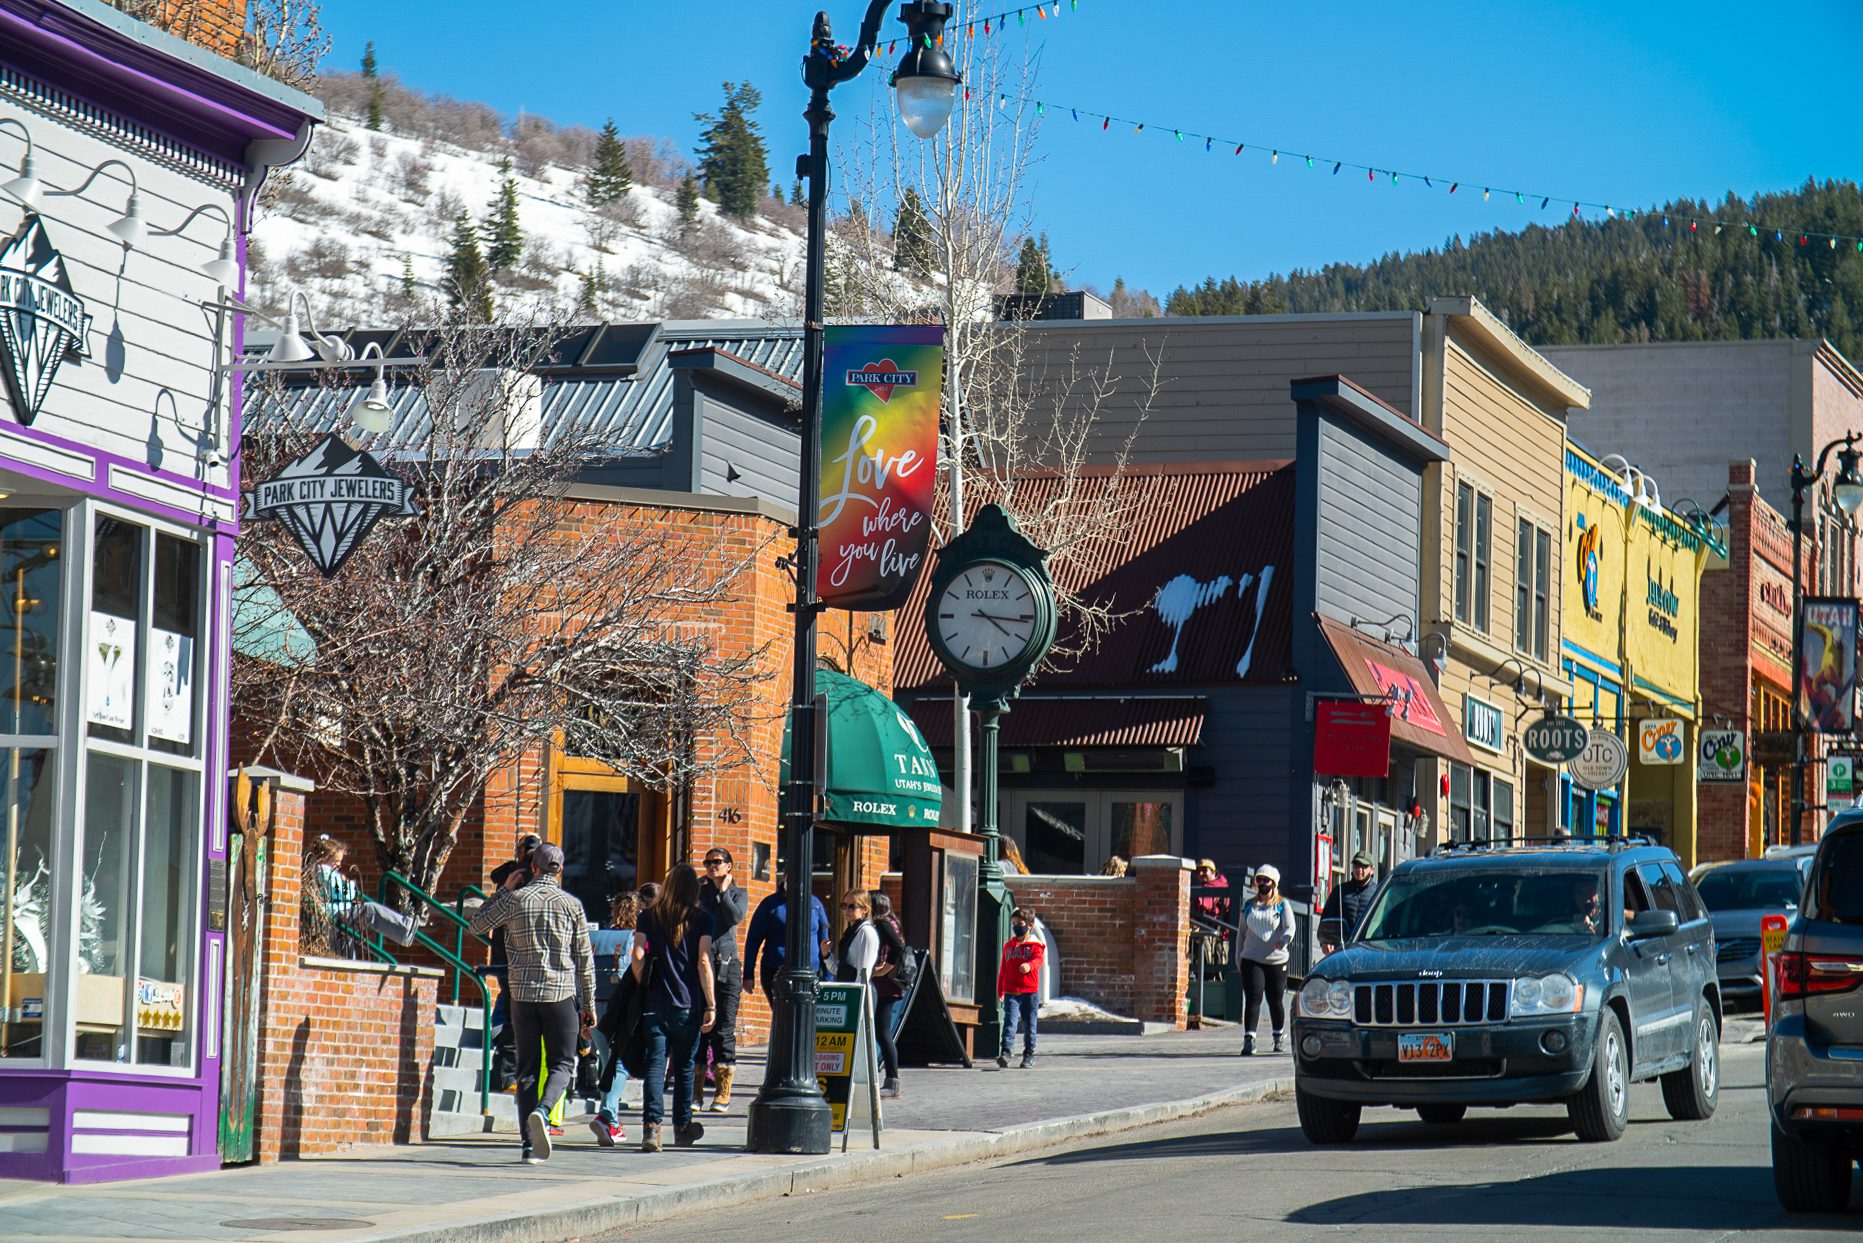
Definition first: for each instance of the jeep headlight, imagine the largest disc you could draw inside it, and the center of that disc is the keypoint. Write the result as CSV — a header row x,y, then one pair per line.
x,y
1326,999
1545,994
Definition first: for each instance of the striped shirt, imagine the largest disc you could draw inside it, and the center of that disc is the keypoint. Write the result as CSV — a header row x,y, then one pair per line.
x,y
546,942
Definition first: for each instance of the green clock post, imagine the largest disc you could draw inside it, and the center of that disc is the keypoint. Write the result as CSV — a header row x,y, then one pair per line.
x,y
991,618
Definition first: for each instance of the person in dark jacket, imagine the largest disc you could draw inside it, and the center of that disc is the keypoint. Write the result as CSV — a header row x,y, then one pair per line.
x,y
726,902
1350,901
767,937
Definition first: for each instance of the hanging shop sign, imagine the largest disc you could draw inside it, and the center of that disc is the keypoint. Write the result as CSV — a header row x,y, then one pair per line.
x,y
330,499
42,322
1555,739
1722,755
1603,762
1839,782
1351,738
1659,741
1827,670
879,455
1482,724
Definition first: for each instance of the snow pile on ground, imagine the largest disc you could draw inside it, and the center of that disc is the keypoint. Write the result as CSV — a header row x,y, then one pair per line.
x,y
366,213
1079,1010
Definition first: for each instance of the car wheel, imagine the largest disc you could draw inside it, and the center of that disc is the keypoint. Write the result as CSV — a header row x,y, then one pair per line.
x,y
1441,1115
1601,1109
1809,1175
1691,1093
1325,1121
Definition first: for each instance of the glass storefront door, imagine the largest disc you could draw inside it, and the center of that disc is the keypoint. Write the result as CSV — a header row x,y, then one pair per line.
x,y
1074,832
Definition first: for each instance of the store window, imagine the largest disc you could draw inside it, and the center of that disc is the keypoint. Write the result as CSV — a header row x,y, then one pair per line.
x,y
1532,590
1068,833
134,998
1476,799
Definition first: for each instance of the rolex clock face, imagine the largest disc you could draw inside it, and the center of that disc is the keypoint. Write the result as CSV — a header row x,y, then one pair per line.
x,y
986,616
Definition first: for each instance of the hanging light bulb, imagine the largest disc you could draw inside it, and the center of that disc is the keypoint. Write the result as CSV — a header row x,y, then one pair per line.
x,y
129,228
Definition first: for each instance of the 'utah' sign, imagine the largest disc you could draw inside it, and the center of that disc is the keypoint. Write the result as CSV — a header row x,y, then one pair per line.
x,y
879,455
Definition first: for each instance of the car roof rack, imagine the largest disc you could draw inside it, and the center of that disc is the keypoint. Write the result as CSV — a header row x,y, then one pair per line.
x,y
1613,842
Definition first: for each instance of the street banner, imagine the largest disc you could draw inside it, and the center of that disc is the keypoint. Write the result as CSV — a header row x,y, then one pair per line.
x,y
1723,755
1660,741
879,456
1827,672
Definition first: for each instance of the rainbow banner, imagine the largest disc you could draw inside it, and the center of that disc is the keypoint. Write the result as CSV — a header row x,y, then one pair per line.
x,y
880,390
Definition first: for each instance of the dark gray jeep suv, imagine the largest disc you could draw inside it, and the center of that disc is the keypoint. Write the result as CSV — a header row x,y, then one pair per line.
x,y
1814,1049
1510,974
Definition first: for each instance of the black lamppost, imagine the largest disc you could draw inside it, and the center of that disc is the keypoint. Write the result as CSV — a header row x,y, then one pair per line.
x,y
789,1113
1847,491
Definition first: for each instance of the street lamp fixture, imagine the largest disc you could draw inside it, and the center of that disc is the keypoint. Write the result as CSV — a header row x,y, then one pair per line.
x,y
789,1114
373,413
26,188
1847,492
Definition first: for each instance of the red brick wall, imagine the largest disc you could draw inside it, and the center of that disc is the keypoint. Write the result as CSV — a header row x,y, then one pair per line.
x,y
213,24
345,1054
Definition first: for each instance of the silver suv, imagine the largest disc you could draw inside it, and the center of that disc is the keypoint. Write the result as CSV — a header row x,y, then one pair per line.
x,y
1814,1051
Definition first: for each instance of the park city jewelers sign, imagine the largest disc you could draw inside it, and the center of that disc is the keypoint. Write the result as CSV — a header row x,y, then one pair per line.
x,y
879,453
329,499
42,323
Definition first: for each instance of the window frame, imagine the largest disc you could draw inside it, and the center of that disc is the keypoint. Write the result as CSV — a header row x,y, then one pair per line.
x,y
1464,548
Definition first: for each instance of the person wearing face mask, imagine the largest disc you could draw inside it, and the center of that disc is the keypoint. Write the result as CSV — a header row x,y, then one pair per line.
x,y
1267,932
1018,985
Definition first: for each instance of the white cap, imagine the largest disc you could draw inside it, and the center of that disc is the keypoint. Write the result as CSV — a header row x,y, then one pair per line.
x,y
1270,871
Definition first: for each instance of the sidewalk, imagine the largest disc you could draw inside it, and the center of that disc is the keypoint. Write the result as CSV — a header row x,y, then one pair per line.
x,y
468,1190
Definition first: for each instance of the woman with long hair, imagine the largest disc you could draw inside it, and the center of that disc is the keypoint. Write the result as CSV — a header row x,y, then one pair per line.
x,y
1267,931
672,957
341,898
889,986
613,949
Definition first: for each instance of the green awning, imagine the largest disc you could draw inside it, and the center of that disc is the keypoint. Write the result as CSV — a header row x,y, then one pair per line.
x,y
879,770
263,628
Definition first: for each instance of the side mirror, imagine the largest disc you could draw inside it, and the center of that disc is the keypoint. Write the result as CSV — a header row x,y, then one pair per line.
x,y
1653,924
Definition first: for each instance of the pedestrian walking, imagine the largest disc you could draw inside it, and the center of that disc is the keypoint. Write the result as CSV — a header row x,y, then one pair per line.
x,y
1018,986
1267,932
614,954
892,979
1346,906
673,961
727,903
767,938
552,985
343,900
504,1053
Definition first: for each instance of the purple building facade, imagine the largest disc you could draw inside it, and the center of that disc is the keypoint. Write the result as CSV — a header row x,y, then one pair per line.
x,y
129,162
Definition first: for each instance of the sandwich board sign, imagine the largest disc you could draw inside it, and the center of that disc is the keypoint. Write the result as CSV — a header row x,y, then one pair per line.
x,y
846,1062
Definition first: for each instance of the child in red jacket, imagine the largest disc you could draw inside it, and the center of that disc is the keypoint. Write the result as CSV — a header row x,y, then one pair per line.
x,y
1018,985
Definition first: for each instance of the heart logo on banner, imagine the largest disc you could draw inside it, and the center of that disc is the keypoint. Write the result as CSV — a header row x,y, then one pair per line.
x,y
886,366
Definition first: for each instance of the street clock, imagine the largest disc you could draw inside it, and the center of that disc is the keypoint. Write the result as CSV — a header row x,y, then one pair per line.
x,y
990,615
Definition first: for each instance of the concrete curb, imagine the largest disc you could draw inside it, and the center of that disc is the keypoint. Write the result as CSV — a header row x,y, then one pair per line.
x,y
606,1214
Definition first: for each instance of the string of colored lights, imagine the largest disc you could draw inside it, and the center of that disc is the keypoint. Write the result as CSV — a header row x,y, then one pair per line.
x,y
1373,173
995,23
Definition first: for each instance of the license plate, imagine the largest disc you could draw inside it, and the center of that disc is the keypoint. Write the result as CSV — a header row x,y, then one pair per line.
x,y
1426,1047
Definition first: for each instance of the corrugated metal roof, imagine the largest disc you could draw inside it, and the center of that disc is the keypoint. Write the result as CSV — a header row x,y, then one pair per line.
x,y
628,410
1205,571
1138,722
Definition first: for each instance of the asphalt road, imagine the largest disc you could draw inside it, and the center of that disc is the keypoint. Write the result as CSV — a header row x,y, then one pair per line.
x,y
1248,1172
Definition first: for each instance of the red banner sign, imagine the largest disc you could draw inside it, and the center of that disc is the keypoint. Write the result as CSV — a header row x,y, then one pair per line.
x,y
1352,739
880,390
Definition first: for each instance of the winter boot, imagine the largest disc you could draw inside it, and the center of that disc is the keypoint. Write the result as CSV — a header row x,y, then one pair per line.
x,y
650,1137
1248,1045
1280,1043
721,1099
689,1134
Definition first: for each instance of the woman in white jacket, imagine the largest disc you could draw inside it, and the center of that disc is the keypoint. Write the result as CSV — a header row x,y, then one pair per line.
x,y
1267,930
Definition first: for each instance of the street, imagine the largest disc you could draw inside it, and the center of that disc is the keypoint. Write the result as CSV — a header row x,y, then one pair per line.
x,y
1248,1171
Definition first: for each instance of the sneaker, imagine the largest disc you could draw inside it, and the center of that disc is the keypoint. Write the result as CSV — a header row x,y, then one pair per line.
x,y
537,1129
1248,1045
650,1137
529,1158
1002,1061
689,1134
556,1132
607,1133
889,1090
1028,1060
1280,1043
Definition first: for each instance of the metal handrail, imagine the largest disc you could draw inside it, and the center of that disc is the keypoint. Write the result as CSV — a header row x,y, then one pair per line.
x,y
455,958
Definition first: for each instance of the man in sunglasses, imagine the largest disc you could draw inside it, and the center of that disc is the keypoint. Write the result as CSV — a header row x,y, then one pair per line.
x,y
1588,912
727,903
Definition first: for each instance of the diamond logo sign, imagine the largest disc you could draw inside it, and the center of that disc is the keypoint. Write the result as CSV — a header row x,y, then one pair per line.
x,y
329,499
42,323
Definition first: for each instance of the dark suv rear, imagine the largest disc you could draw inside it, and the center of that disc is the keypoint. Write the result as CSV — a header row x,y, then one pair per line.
x,y
1814,1050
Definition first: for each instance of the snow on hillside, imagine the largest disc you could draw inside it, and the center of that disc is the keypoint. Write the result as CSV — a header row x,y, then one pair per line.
x,y
363,210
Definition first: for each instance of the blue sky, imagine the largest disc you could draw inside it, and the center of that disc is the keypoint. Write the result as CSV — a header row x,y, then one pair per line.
x,y
1623,103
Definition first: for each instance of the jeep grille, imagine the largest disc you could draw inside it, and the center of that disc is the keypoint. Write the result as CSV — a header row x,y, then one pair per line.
x,y
1430,1003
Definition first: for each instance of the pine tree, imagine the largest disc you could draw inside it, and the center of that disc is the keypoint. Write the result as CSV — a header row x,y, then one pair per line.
x,y
468,280
732,161
407,277
1034,267
589,302
504,242
374,121
912,239
687,203
798,197
610,175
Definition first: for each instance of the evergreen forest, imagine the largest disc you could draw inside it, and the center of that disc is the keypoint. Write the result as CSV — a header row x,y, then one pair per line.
x,y
1753,268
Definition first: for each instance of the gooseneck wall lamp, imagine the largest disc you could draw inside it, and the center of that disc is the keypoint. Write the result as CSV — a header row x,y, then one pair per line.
x,y
129,228
25,188
224,269
789,1114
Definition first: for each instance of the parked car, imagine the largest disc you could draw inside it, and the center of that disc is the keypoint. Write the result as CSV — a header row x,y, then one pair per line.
x,y
1505,975
1814,1049
1738,895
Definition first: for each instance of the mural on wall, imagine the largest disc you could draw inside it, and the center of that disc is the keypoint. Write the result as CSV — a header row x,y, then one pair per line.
x,y
42,322
1183,597
1590,553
